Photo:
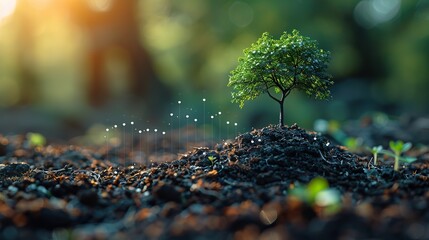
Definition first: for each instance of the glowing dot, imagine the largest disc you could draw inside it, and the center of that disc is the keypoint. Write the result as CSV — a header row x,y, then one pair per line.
x,y
219,113
315,138
327,144
147,129
179,102
227,122
132,123
187,116
235,124
259,140
195,120
163,133
171,114
211,116
155,130
252,141
204,99
124,124
107,129
140,131
116,126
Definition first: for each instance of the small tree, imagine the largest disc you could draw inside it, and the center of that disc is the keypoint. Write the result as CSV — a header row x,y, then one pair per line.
x,y
276,67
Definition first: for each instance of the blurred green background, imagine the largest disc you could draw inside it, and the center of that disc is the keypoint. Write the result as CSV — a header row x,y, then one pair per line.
x,y
68,64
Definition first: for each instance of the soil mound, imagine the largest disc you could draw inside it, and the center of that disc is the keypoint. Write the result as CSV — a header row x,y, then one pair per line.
x,y
241,189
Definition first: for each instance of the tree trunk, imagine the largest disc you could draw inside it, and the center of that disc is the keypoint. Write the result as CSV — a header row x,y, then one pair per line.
x,y
281,118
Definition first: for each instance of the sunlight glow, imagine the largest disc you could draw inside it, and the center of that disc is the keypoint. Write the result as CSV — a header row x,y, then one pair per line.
x,y
100,5
7,7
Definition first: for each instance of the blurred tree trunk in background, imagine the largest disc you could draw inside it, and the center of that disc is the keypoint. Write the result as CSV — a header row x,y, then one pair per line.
x,y
29,91
113,24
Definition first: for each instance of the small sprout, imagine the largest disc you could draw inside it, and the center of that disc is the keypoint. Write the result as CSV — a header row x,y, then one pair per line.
x,y
399,147
212,159
315,186
375,151
353,144
36,139
329,199
318,194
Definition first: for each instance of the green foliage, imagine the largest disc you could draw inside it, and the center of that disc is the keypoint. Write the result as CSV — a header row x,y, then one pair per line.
x,y
353,144
277,66
318,193
315,186
36,139
397,148
212,159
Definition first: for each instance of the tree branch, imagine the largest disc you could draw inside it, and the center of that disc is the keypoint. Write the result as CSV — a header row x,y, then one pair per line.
x,y
267,86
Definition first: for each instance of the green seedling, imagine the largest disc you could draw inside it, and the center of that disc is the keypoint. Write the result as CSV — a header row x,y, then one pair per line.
x,y
399,147
318,193
353,144
278,66
212,159
375,151
36,139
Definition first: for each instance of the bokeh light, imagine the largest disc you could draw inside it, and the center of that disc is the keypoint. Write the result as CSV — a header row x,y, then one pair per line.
x,y
370,13
7,7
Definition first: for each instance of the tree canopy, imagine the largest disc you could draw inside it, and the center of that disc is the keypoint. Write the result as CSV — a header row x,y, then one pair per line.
x,y
277,66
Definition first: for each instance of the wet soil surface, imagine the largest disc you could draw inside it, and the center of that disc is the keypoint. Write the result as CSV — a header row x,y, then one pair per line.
x,y
242,189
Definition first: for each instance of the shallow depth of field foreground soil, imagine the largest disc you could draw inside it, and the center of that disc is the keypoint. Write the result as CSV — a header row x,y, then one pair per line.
x,y
239,190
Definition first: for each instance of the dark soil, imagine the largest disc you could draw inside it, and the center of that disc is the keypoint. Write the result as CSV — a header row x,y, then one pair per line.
x,y
238,190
